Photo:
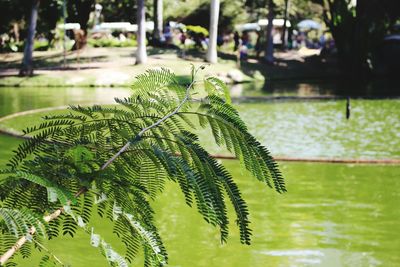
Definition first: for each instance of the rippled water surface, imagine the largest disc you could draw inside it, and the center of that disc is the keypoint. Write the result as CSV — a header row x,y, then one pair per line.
x,y
320,129
332,215
288,128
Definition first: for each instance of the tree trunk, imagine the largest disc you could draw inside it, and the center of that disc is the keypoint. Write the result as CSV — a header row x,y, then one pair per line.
x,y
158,20
141,54
360,42
269,53
16,32
284,30
27,68
212,43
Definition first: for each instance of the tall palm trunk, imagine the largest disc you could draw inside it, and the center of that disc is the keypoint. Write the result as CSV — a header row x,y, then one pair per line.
x,y
212,44
27,68
158,19
269,53
141,54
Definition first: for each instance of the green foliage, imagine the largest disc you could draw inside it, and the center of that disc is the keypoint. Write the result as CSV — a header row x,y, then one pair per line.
x,y
47,261
18,222
67,153
111,42
197,30
41,45
11,46
197,12
358,29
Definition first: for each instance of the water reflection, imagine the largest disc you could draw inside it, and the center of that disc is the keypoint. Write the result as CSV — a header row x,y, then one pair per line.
x,y
377,88
320,129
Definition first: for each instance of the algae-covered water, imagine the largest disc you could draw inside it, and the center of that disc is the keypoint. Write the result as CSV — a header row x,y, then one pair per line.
x,y
332,214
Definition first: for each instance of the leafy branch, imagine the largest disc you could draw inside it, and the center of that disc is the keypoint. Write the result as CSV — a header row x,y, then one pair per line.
x,y
153,134
166,117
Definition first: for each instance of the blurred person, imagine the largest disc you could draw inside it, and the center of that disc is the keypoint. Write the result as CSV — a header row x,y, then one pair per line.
x,y
243,51
322,40
258,46
236,39
245,38
182,37
167,33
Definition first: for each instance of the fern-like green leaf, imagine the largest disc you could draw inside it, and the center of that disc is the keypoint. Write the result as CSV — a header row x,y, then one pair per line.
x,y
121,157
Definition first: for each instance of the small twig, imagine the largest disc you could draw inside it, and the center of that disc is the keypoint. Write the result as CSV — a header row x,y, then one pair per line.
x,y
48,251
140,134
32,230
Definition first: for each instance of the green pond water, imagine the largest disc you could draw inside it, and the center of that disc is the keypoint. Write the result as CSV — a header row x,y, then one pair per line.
x,y
16,99
288,128
332,215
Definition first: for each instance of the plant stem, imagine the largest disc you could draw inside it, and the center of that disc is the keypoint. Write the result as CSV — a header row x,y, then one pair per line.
x,y
48,252
32,230
140,134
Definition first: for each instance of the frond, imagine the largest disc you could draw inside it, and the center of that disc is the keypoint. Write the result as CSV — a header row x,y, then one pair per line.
x,y
156,127
47,261
156,80
215,86
229,130
52,188
153,244
19,222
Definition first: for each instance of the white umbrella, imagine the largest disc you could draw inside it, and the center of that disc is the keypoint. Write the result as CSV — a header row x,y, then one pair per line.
x,y
309,24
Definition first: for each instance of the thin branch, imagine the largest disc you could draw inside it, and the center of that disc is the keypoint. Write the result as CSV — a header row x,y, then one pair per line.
x,y
32,230
139,135
48,252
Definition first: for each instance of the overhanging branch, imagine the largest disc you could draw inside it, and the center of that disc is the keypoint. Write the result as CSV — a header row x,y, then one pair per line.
x,y
7,255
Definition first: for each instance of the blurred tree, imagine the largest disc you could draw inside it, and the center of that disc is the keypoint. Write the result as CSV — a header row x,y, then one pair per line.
x,y
285,18
357,28
256,9
158,20
14,18
212,43
49,13
27,64
79,12
232,12
122,10
141,54
297,10
197,12
12,12
269,52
